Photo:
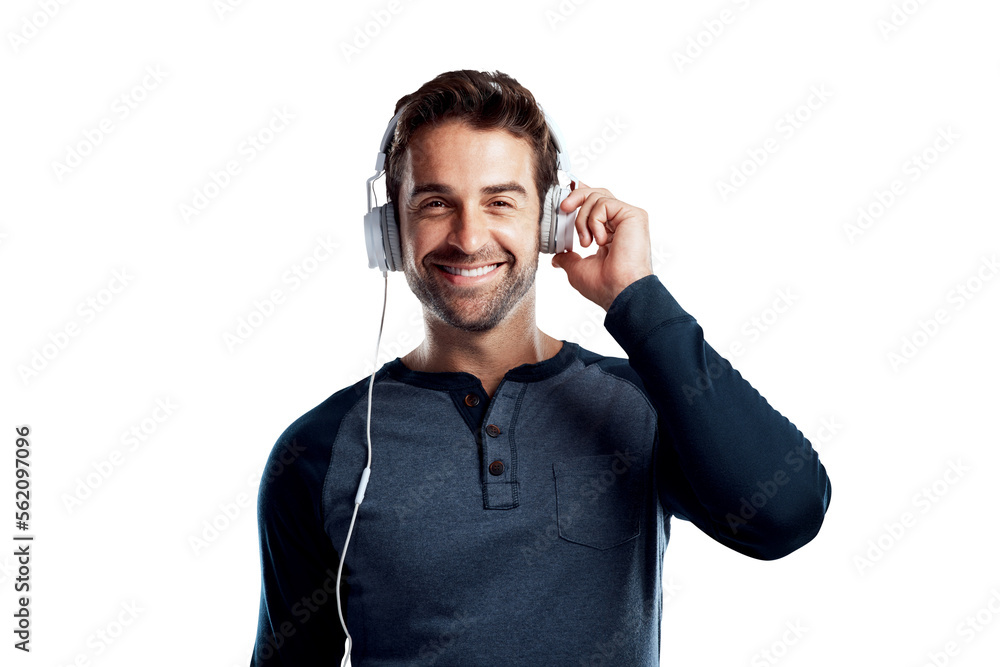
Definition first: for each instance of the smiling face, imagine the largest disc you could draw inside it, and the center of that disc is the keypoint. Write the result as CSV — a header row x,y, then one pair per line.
x,y
469,213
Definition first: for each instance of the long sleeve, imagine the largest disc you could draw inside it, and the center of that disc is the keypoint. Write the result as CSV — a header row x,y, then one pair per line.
x,y
298,623
725,459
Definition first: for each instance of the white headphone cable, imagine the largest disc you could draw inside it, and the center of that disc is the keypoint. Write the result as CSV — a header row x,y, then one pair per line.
x,y
346,662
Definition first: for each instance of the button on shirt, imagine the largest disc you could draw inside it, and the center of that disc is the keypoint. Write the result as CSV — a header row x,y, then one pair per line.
x,y
526,528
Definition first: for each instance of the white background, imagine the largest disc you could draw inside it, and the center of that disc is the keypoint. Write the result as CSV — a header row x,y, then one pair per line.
x,y
662,134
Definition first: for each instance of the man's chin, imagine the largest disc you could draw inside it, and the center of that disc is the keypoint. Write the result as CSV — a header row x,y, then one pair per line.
x,y
474,306
465,321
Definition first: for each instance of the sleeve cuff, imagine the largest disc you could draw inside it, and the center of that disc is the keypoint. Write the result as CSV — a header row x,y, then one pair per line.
x,y
640,309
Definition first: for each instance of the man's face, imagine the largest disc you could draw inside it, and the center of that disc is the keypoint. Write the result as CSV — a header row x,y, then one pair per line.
x,y
468,201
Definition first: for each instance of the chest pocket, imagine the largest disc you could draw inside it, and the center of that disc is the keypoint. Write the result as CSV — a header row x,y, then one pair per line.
x,y
599,499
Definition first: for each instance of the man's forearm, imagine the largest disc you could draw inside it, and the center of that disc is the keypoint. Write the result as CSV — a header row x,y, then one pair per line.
x,y
744,472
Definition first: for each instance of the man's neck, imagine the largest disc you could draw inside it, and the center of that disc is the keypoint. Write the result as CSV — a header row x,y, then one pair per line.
x,y
486,354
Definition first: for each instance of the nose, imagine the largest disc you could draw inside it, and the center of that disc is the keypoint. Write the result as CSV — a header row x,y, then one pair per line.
x,y
470,230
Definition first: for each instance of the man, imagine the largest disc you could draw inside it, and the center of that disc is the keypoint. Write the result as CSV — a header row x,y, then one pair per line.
x,y
522,486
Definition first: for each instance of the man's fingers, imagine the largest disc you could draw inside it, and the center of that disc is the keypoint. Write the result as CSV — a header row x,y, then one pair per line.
x,y
594,215
580,193
585,198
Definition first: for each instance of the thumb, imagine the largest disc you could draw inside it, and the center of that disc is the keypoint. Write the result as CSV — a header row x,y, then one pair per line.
x,y
565,260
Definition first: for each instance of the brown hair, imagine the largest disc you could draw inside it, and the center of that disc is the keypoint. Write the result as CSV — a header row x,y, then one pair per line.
x,y
484,100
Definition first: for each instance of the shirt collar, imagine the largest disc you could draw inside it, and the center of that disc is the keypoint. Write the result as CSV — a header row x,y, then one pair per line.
x,y
459,379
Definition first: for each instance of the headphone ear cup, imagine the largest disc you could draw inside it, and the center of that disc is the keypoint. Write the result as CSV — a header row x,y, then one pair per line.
x,y
373,239
390,231
548,229
562,235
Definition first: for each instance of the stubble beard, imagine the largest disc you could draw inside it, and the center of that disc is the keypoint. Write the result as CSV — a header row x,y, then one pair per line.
x,y
486,306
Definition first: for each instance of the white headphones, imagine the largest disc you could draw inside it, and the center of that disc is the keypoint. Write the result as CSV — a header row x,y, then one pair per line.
x,y
382,230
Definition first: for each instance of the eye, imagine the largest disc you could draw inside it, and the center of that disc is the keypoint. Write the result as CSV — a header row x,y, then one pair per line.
x,y
431,202
501,201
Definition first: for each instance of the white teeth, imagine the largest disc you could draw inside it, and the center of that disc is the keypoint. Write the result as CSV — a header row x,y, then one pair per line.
x,y
474,272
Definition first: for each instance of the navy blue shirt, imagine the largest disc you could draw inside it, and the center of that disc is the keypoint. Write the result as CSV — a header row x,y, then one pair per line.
x,y
526,528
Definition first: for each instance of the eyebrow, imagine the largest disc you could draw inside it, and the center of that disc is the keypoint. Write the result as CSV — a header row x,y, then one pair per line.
x,y
486,190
